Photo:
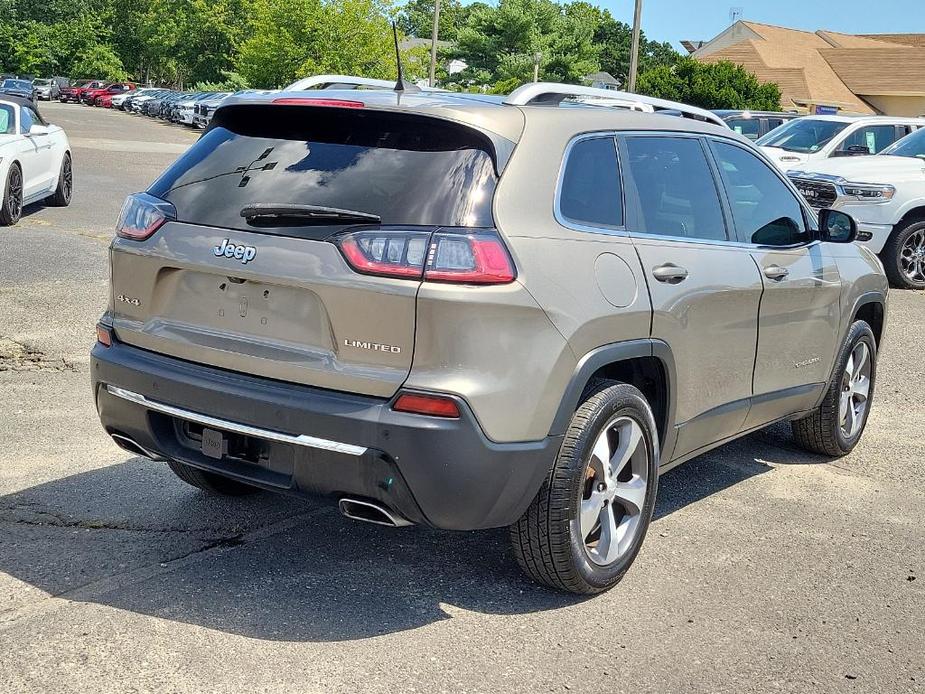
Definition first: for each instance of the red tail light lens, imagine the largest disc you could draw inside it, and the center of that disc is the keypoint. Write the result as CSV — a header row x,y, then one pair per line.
x,y
430,405
443,256
142,215
308,101
386,253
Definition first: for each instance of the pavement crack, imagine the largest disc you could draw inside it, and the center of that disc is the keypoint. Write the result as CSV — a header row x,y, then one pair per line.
x,y
126,579
21,356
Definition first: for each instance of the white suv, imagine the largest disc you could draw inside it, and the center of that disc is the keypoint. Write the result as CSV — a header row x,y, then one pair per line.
x,y
814,138
886,195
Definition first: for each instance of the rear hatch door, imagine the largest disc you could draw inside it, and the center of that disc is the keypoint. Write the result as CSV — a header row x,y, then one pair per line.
x,y
273,296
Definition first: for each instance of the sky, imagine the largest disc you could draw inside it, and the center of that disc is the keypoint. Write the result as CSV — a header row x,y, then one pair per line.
x,y
674,20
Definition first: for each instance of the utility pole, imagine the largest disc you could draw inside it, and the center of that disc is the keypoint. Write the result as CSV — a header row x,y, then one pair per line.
x,y
537,57
634,51
433,44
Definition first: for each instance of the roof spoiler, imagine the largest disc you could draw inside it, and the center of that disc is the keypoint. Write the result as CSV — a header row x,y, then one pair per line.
x,y
344,82
539,93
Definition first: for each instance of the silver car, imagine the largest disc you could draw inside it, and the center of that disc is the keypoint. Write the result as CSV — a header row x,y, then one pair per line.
x,y
468,312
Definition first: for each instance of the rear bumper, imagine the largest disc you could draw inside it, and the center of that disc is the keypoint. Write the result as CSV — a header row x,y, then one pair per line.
x,y
442,472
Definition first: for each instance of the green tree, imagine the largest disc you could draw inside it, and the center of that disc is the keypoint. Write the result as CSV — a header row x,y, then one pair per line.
x,y
98,60
499,44
712,86
290,39
417,18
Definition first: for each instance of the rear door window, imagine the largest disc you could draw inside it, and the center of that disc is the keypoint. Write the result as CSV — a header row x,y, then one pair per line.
x,y
674,185
591,192
873,138
748,127
407,169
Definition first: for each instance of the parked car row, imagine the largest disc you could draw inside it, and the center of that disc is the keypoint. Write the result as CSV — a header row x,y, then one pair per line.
x,y
194,109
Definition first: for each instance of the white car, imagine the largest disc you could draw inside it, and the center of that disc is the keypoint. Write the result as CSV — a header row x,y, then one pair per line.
x,y
35,160
811,139
119,99
886,196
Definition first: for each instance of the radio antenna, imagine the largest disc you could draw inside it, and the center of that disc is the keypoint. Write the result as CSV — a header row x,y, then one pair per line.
x,y
401,85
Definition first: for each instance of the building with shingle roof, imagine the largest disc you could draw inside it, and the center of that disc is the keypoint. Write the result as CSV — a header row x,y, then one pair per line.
x,y
873,73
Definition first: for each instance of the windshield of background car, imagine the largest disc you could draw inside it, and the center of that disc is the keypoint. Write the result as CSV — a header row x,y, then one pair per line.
x,y
405,168
7,120
805,135
17,84
910,146
42,83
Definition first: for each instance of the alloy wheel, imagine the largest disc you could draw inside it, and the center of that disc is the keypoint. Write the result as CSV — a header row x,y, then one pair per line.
x,y
14,194
912,257
67,178
616,482
855,390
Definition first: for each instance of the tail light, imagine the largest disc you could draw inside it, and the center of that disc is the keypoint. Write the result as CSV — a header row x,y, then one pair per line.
x,y
103,335
142,215
444,256
430,405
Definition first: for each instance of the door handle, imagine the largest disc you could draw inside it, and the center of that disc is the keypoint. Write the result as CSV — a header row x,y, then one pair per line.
x,y
776,272
669,273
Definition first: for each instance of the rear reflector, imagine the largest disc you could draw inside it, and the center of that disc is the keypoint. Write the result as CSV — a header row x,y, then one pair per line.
x,y
431,405
142,215
444,256
308,101
103,336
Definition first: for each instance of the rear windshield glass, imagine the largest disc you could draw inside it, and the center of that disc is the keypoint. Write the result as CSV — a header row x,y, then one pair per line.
x,y
406,169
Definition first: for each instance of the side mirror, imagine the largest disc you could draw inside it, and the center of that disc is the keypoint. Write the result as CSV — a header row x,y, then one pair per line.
x,y
837,227
38,130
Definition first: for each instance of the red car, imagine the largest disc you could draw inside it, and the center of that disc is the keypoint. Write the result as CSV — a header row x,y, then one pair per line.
x,y
90,96
105,100
75,92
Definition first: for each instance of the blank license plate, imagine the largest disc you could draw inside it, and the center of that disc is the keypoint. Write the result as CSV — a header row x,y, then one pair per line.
x,y
213,443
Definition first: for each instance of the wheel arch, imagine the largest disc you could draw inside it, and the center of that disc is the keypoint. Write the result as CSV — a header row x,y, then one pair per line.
x,y
870,307
647,364
917,213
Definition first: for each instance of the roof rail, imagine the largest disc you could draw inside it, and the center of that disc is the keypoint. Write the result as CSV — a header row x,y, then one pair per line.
x,y
554,93
343,82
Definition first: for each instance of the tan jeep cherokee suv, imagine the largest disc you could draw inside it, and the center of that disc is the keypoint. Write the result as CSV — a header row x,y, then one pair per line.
x,y
471,312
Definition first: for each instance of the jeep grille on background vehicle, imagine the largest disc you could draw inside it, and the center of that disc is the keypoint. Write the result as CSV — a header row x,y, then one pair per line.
x,y
819,194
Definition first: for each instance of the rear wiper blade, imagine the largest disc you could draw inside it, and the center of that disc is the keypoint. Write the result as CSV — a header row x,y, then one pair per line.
x,y
306,212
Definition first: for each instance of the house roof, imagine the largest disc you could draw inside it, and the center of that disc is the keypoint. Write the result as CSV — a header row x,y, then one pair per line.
x,y
823,67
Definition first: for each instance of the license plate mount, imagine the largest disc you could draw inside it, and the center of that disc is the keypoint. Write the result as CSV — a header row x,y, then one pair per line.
x,y
213,443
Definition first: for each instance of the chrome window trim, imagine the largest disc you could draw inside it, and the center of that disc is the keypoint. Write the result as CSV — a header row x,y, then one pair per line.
x,y
730,244
564,221
246,429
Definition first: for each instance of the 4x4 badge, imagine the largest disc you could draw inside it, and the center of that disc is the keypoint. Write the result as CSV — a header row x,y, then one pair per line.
x,y
234,250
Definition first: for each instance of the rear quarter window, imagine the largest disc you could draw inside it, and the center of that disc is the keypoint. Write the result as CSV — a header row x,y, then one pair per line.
x,y
407,169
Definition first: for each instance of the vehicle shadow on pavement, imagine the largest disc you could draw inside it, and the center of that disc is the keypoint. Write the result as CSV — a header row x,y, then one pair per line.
x,y
131,536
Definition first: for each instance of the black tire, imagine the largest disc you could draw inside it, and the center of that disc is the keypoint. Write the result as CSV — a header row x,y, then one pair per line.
x,y
209,481
548,542
11,203
822,432
892,255
62,195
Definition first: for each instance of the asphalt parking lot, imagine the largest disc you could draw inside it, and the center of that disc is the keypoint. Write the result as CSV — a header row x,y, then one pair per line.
x,y
766,569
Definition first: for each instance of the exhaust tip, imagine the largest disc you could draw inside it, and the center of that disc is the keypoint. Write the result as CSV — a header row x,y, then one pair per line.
x,y
128,444
371,512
